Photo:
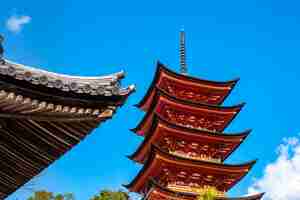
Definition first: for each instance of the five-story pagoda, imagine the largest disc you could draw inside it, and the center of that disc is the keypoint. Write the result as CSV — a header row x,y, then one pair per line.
x,y
184,145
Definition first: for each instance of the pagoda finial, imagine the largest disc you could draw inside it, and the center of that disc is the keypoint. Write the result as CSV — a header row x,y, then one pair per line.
x,y
1,49
183,67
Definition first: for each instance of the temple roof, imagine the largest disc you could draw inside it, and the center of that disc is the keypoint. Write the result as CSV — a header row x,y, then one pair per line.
x,y
88,87
162,128
40,122
222,176
158,192
187,88
182,112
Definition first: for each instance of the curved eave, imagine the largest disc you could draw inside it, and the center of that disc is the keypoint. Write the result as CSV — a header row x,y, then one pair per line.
x,y
105,80
157,152
187,131
57,96
236,108
161,68
188,196
47,86
124,93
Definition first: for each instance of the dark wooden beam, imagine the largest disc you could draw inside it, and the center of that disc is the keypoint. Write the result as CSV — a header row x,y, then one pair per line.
x,y
8,165
64,133
52,118
12,153
67,126
29,148
35,138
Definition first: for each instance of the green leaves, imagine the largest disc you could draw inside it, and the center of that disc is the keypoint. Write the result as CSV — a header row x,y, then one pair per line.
x,y
209,194
44,195
111,195
103,195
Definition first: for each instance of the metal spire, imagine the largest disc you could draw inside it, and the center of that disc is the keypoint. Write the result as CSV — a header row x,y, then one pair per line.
x,y
183,67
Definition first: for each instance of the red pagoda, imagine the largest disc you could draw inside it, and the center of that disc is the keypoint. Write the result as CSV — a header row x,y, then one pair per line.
x,y
184,145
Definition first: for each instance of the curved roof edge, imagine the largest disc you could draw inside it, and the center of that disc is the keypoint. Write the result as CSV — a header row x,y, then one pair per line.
x,y
156,119
161,67
154,150
107,85
158,94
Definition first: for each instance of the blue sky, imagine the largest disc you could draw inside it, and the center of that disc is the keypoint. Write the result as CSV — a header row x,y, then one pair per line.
x,y
258,41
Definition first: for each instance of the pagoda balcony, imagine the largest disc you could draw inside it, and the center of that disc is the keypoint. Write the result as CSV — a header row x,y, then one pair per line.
x,y
193,189
194,156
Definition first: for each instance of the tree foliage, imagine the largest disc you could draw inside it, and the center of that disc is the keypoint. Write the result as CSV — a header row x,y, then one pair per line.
x,y
103,195
209,194
111,195
45,195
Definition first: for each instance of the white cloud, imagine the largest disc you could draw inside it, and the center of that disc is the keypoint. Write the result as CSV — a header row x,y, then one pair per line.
x,y
281,179
15,23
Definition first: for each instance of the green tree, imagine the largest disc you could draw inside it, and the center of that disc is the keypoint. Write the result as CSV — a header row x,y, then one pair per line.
x,y
45,195
209,194
111,195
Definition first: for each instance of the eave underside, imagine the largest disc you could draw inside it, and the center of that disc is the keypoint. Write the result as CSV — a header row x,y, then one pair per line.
x,y
35,133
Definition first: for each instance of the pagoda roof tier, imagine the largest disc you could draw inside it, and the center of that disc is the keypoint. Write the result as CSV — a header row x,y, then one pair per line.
x,y
186,88
49,86
39,124
158,192
171,170
167,134
193,115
